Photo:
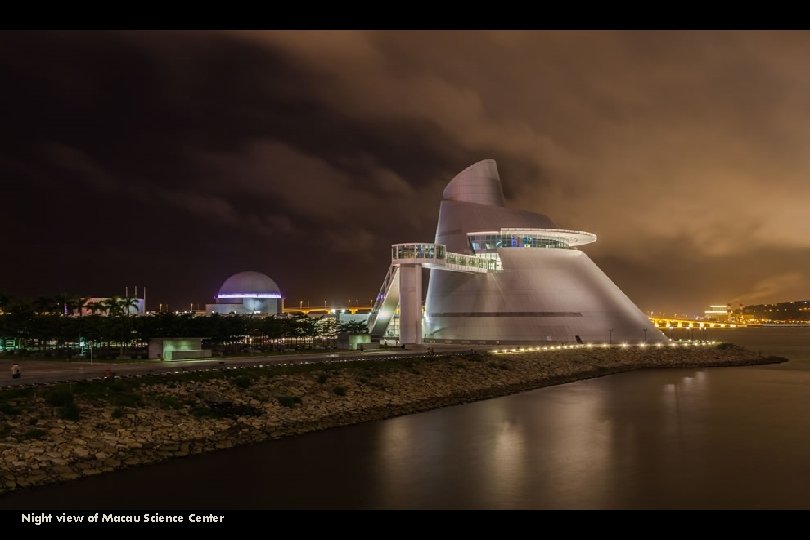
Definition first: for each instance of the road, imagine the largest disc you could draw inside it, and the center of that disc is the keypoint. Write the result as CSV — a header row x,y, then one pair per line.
x,y
50,371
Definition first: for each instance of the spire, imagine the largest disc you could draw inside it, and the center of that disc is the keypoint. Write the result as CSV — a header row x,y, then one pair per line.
x,y
478,183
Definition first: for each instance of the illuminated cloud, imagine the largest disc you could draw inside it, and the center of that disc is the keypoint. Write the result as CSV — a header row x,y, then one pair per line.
x,y
686,152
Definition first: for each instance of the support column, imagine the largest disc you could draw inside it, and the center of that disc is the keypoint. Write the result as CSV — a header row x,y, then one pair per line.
x,y
410,303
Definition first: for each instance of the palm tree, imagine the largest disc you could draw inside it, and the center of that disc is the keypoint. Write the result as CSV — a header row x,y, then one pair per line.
x,y
94,307
61,302
77,303
127,303
46,304
113,306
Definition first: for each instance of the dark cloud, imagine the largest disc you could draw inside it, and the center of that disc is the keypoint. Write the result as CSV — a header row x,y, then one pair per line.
x,y
173,159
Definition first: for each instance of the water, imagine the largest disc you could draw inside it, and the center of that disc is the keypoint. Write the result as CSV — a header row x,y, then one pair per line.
x,y
682,438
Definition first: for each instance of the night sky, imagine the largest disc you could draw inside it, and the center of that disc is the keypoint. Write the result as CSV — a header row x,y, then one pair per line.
x,y
174,159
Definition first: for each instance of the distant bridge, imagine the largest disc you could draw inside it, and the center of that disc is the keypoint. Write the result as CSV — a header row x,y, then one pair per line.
x,y
677,322
322,310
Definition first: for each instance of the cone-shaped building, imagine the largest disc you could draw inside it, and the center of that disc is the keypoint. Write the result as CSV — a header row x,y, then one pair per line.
x,y
543,288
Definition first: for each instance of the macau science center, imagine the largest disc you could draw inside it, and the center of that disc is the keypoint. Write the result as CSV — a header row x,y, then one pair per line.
x,y
501,276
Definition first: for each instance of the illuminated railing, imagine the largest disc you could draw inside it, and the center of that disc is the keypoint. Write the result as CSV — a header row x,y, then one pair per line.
x,y
437,257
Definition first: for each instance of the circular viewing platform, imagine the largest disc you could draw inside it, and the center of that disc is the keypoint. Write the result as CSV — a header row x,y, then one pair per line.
x,y
487,241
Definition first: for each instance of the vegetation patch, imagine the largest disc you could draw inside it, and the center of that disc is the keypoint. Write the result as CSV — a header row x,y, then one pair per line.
x,y
224,410
288,401
70,411
34,433
169,402
242,381
340,390
59,396
9,409
126,400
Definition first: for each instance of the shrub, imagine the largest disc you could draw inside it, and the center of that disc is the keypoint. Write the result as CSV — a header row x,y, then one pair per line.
x,y
59,396
340,390
288,401
169,402
34,433
727,346
201,411
242,381
118,412
322,378
126,400
70,412
9,409
5,429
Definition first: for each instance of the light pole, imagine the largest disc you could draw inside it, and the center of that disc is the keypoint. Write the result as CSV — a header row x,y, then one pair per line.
x,y
645,335
610,336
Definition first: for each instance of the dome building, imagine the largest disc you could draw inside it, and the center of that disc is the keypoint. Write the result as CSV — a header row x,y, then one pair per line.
x,y
247,293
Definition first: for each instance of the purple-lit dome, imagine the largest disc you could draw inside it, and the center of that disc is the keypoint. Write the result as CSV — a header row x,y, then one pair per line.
x,y
249,285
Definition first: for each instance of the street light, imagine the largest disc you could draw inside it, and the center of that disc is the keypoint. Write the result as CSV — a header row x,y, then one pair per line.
x,y
610,336
645,335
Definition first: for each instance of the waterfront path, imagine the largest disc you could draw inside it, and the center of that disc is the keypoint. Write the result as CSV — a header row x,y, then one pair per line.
x,y
35,371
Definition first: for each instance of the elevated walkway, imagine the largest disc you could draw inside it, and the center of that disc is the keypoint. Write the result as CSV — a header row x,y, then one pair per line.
x,y
436,257
413,257
402,286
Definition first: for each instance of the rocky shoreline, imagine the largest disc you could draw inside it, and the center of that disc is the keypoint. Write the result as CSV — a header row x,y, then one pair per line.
x,y
63,432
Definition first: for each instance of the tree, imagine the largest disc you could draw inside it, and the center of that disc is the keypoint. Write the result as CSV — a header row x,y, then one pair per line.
x,y
94,307
60,303
46,304
113,306
353,327
77,304
126,304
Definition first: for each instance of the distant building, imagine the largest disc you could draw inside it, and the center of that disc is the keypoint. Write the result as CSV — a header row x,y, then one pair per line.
x,y
717,313
177,349
247,293
100,306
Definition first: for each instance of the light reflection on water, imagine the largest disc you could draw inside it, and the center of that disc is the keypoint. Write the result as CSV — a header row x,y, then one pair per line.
x,y
681,438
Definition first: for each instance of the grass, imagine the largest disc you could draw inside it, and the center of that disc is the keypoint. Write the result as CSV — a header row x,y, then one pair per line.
x,y
126,392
